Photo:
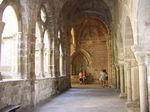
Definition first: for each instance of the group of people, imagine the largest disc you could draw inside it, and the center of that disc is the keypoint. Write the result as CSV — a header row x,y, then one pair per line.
x,y
103,78
82,77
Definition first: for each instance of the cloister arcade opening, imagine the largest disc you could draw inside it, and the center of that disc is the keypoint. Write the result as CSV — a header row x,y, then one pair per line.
x,y
9,46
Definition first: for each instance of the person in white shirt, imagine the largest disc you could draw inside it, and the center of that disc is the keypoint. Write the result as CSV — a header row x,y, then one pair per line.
x,y
103,78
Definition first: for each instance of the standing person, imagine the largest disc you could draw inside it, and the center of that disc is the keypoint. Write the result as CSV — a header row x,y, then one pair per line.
x,y
81,77
103,77
84,77
106,78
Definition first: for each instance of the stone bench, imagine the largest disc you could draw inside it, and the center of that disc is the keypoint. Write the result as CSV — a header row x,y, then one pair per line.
x,y
10,108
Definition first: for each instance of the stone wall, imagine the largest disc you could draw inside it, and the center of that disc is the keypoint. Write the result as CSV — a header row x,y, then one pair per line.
x,y
99,57
44,88
15,92
28,93
74,79
64,83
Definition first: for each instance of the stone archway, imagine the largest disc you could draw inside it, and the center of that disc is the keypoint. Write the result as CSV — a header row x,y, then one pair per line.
x,y
10,41
81,61
142,51
132,74
87,27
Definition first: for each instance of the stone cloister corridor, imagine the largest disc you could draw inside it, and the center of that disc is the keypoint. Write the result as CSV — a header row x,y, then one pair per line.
x,y
45,44
85,100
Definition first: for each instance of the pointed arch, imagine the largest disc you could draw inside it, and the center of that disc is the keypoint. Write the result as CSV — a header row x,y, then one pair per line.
x,y
10,41
81,60
129,40
85,53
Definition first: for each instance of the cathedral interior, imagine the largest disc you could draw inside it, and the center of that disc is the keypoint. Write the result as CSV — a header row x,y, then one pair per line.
x,y
44,44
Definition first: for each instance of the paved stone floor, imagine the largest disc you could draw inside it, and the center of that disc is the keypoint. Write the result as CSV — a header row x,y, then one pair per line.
x,y
85,99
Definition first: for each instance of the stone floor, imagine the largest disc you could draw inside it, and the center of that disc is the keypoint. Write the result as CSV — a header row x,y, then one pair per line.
x,y
85,99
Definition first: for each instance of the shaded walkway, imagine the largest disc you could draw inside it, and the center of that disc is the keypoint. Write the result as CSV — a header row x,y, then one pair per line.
x,y
85,100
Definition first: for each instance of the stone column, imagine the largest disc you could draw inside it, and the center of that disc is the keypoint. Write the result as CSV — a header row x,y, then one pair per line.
x,y
114,80
52,63
56,64
144,105
122,94
135,85
55,55
129,86
32,56
49,64
109,48
2,24
56,61
117,77
19,39
42,59
52,71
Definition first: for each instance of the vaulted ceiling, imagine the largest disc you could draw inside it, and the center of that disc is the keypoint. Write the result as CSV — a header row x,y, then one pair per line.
x,y
76,9
90,29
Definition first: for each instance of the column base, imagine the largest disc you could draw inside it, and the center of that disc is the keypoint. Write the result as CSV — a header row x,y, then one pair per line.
x,y
112,86
123,95
133,104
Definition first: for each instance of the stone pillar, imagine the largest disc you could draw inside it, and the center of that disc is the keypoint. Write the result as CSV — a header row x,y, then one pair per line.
x,y
129,86
122,94
17,41
117,77
32,56
56,61
114,71
135,84
52,67
67,61
42,58
2,24
49,64
144,105
109,48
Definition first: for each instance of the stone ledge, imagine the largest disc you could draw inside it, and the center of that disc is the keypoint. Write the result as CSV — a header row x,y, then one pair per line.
x,y
12,80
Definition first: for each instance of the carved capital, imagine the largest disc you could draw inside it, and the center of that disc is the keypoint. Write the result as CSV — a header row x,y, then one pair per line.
x,y
117,67
148,58
141,58
119,25
127,64
121,62
136,48
41,46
